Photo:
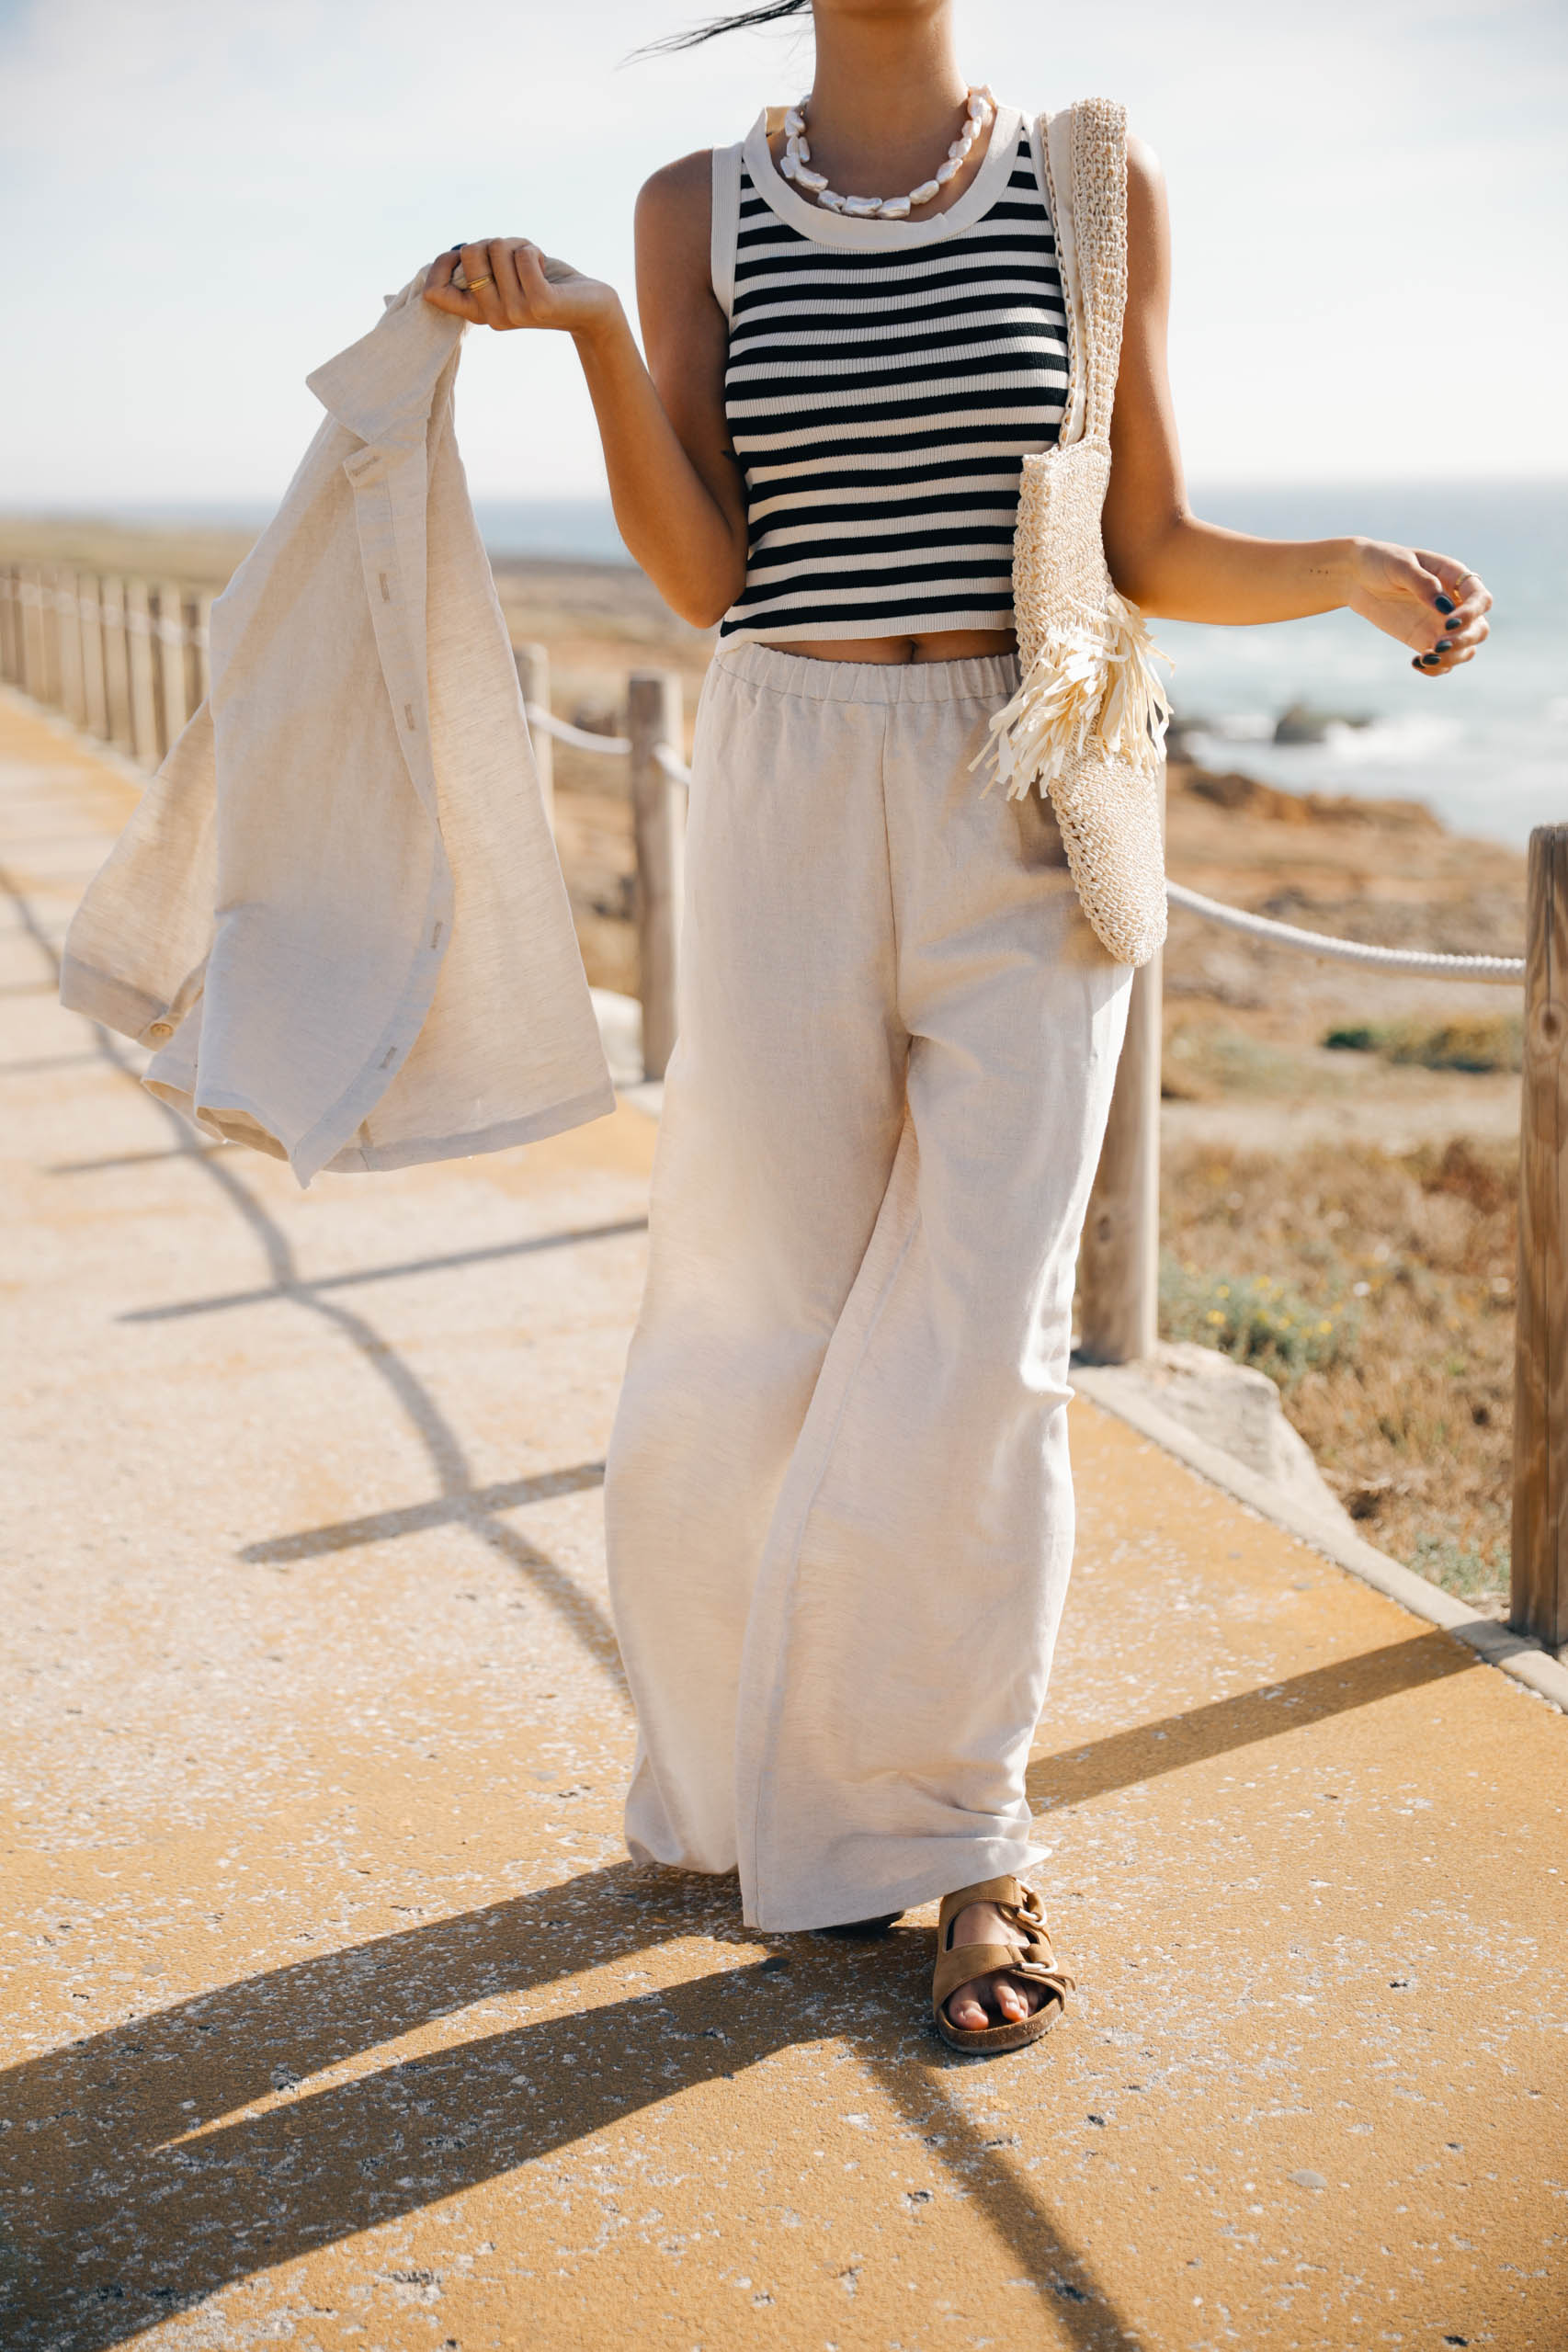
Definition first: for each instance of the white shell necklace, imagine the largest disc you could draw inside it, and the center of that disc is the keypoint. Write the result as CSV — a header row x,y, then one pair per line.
x,y
796,166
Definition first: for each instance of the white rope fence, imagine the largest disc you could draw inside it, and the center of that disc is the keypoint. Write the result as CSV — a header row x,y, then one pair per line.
x,y
671,764
1506,970
583,738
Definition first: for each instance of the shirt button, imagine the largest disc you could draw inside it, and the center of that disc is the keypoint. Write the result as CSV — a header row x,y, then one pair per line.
x,y
161,1029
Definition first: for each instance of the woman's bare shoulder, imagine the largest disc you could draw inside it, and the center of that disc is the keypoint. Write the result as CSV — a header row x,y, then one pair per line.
x,y
677,196
1145,178
1148,219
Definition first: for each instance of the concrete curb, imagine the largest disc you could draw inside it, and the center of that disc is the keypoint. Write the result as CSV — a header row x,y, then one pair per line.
x,y
1513,1653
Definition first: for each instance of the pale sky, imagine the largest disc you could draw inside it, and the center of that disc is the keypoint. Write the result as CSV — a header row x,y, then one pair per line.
x,y
204,198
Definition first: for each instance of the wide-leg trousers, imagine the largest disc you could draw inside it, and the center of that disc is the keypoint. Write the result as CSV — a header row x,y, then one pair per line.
x,y
839,1501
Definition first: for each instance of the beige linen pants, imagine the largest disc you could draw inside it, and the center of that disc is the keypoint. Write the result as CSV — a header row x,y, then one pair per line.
x,y
838,1502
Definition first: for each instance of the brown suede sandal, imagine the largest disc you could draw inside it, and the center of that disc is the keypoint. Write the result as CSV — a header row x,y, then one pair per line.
x,y
1031,1958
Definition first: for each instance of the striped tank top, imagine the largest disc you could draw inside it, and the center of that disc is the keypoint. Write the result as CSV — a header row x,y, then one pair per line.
x,y
883,383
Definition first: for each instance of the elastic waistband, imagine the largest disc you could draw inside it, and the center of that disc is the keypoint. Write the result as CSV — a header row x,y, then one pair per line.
x,y
975,677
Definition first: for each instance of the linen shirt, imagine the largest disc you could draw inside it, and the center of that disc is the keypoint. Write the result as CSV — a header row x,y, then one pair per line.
x,y
336,913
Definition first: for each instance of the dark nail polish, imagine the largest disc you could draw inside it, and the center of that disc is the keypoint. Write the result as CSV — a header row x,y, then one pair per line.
x,y
1444,604
1444,645
1429,659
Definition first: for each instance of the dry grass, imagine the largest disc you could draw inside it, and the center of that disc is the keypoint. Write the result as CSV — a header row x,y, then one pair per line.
x,y
1387,1321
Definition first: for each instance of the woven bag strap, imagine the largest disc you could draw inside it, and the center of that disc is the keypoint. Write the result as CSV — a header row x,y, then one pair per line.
x,y
1099,227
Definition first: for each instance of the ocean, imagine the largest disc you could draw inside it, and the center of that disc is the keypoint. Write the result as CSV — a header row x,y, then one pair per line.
x,y
1485,748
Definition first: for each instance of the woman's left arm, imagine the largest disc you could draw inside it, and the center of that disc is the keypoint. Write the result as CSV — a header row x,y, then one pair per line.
x,y
1168,563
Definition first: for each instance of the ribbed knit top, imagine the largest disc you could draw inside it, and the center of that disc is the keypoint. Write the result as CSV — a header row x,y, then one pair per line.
x,y
885,380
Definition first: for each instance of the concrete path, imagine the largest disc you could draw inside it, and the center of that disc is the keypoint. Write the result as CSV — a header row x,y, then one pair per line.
x,y
335,2015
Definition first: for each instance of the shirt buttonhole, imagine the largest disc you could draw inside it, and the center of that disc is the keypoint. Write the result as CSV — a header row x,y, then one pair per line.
x,y
408,714
386,590
388,1055
436,935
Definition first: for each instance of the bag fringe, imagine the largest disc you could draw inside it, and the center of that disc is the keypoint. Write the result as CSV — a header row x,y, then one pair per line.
x,y
1094,678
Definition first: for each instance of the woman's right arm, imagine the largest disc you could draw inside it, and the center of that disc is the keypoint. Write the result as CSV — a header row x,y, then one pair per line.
x,y
674,482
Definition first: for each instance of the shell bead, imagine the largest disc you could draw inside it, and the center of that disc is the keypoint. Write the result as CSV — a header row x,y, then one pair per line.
x,y
797,155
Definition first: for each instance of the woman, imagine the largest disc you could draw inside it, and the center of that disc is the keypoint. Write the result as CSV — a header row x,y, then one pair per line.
x,y
838,1502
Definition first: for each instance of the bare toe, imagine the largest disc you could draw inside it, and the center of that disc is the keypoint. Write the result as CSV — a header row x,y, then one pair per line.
x,y
965,2012
1013,2004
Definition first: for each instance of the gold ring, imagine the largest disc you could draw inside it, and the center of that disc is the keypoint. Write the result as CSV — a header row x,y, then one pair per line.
x,y
472,285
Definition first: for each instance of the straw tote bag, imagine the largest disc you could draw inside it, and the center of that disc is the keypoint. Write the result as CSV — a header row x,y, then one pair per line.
x,y
1087,723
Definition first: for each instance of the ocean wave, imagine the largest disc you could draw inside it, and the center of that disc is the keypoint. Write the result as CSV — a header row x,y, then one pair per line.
x,y
1389,743
1243,727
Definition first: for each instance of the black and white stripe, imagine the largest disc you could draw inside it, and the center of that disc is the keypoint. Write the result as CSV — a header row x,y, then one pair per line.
x,y
881,403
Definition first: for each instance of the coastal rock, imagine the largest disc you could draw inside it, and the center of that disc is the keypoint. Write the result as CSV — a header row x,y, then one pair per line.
x,y
1242,795
1304,724
1234,1407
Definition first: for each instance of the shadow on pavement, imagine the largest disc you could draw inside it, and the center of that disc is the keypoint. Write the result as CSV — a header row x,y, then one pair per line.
x,y
136,2189
1128,1757
133,2188
452,1261
379,1527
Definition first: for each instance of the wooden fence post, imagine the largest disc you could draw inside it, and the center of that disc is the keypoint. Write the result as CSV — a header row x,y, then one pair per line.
x,y
95,709
117,669
10,638
1119,1258
48,687
144,691
533,677
169,666
54,580
68,605
1540,1574
201,644
29,581
41,650
658,815
193,651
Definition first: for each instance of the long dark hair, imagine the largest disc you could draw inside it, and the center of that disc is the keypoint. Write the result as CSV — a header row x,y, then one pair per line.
x,y
743,22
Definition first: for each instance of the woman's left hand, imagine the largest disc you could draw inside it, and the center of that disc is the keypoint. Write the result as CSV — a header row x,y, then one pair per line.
x,y
1429,601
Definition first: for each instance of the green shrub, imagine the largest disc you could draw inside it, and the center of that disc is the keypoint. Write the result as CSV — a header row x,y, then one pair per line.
x,y
1465,1570
1256,1320
1477,1042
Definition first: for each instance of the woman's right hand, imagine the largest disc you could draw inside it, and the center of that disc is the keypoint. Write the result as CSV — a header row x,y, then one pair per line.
x,y
511,283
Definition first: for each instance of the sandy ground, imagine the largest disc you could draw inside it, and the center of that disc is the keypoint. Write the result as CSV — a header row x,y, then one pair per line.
x,y
336,2017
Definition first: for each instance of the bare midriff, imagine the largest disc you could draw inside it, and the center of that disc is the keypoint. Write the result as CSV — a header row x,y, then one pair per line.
x,y
940,645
